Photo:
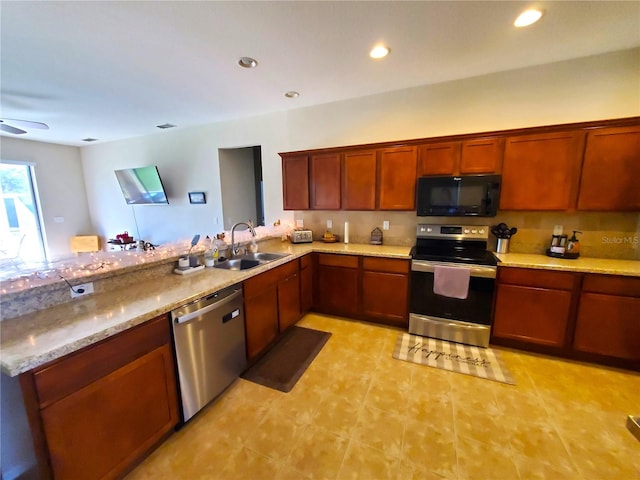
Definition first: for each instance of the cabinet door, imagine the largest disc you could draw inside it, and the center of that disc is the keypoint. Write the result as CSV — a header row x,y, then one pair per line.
x,y
483,155
541,172
608,325
359,180
385,297
337,290
99,430
439,158
261,320
306,283
397,186
325,181
532,315
611,170
295,182
288,301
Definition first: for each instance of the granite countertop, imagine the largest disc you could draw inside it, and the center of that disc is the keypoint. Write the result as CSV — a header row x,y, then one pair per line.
x,y
32,340
586,265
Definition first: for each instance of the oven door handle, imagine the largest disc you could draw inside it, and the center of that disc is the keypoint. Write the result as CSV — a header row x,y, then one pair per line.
x,y
476,270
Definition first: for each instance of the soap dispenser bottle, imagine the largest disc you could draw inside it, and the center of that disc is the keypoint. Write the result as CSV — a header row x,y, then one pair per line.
x,y
573,246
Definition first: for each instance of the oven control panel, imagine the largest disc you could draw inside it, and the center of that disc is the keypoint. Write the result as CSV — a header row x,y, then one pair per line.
x,y
466,232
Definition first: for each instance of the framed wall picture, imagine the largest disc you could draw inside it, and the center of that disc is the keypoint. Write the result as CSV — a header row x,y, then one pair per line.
x,y
197,197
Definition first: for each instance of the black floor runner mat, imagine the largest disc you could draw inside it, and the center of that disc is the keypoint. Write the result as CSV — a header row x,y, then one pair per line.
x,y
285,363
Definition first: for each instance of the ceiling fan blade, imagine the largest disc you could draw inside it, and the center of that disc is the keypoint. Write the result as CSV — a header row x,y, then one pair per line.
x,y
26,123
9,129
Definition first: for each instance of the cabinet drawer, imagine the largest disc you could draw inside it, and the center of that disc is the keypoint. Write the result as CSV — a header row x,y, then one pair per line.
x,y
305,261
612,284
256,285
388,265
530,277
331,260
286,270
84,367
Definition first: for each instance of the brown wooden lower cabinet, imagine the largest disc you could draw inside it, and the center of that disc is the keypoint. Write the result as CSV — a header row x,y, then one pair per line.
x,y
533,306
608,321
261,319
271,305
91,423
593,317
369,288
337,284
385,287
306,283
288,301
535,315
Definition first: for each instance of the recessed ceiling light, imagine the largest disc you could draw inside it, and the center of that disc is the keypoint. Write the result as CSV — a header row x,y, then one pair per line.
x,y
528,17
379,51
292,94
247,62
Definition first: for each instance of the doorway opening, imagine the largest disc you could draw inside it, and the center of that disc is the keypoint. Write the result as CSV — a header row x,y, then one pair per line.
x,y
241,185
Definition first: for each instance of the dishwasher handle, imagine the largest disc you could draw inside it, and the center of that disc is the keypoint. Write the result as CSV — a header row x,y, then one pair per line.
x,y
208,308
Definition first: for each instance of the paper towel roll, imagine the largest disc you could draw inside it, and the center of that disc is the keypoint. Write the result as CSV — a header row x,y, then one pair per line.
x,y
346,232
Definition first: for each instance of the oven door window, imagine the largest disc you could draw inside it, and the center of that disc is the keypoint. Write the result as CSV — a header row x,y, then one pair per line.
x,y
476,308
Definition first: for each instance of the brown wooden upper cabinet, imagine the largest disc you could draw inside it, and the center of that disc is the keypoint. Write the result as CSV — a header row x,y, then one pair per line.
x,y
541,172
611,170
359,180
326,173
397,180
295,182
482,155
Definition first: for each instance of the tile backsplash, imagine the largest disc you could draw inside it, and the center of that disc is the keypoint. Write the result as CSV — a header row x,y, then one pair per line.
x,y
605,234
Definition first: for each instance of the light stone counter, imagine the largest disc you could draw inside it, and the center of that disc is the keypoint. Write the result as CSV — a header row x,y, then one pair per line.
x,y
31,340
582,264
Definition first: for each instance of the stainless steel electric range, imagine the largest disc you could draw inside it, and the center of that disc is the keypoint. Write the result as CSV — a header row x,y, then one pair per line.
x,y
463,320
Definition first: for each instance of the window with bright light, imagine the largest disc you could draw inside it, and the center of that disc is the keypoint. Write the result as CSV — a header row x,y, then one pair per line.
x,y
21,242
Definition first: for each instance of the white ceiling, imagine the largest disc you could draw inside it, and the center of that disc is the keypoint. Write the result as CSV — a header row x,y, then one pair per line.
x,y
112,70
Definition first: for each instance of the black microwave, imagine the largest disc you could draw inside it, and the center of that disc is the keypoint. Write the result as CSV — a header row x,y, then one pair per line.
x,y
466,195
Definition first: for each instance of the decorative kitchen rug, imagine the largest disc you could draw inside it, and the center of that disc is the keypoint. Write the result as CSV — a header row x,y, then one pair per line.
x,y
455,357
287,361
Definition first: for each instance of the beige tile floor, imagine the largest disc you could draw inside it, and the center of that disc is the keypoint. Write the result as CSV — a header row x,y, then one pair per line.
x,y
359,414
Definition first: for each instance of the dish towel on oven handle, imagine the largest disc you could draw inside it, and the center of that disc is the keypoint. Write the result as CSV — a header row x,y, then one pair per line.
x,y
451,281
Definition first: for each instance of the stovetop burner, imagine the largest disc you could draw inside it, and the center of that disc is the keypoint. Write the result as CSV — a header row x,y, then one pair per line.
x,y
453,243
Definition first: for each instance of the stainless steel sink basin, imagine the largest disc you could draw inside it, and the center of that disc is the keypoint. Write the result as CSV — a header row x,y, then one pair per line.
x,y
263,256
249,260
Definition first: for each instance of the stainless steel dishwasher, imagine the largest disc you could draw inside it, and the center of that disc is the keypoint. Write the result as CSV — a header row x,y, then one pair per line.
x,y
210,347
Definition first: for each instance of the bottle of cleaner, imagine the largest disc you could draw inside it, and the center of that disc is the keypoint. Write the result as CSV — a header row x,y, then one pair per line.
x,y
573,246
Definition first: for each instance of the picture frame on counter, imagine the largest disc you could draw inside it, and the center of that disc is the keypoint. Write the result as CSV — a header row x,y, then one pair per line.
x,y
197,197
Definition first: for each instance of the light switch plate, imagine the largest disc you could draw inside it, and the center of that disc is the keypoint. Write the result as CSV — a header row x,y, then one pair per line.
x,y
300,223
385,225
329,224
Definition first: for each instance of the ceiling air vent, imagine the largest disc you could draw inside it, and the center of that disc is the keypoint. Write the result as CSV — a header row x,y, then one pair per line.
x,y
89,139
165,126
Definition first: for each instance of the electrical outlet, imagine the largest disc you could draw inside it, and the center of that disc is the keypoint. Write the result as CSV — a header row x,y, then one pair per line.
x,y
385,225
81,290
329,224
299,223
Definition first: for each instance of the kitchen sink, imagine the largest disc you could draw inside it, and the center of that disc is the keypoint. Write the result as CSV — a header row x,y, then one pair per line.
x,y
263,256
249,260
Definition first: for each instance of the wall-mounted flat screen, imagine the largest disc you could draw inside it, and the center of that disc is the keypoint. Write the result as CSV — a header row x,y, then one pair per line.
x,y
142,186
